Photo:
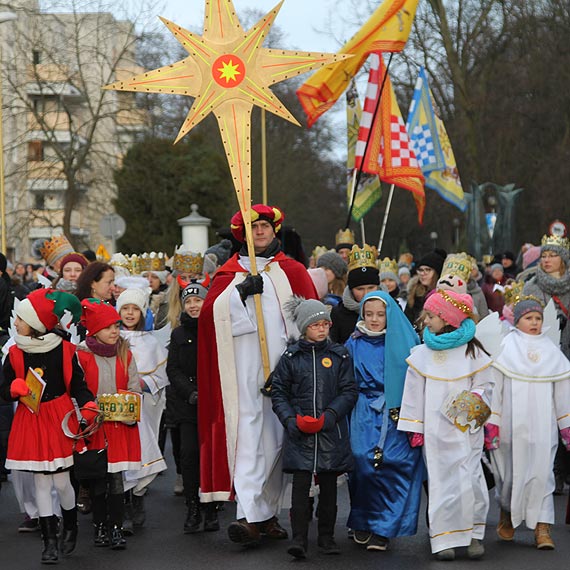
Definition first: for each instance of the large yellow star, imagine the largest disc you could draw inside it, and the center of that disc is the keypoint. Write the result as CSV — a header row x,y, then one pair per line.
x,y
228,71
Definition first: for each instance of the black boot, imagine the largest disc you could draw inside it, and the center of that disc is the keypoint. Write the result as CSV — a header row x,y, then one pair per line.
x,y
48,526
300,529
327,520
118,541
101,536
211,522
128,526
193,517
68,535
139,514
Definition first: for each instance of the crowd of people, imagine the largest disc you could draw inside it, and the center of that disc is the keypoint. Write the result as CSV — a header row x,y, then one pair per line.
x,y
440,375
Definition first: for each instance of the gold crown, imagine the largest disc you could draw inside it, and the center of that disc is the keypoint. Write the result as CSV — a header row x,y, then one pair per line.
x,y
152,261
458,264
388,265
134,264
318,251
120,260
557,241
513,292
361,257
463,307
344,237
185,261
55,248
122,407
528,298
406,258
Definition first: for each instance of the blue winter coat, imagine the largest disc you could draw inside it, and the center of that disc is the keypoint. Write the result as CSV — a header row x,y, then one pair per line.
x,y
310,378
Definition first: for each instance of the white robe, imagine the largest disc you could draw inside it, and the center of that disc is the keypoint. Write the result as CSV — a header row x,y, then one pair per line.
x,y
530,403
458,496
256,459
150,357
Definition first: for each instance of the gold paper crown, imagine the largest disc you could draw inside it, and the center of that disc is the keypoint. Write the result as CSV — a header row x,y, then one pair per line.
x,y
120,260
152,261
125,406
458,264
134,264
388,265
185,261
55,248
344,237
361,257
513,292
463,307
318,251
557,241
528,298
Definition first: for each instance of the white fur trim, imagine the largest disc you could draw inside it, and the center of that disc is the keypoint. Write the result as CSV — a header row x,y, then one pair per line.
x,y
28,314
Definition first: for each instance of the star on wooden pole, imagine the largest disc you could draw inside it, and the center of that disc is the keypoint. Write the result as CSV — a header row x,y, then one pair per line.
x,y
228,71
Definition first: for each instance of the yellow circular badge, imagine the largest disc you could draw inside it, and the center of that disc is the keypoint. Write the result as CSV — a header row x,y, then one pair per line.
x,y
326,362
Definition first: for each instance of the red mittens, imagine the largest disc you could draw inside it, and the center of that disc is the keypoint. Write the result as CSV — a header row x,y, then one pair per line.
x,y
19,388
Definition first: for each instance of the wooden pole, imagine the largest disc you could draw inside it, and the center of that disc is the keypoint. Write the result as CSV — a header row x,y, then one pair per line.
x,y
263,159
362,231
385,222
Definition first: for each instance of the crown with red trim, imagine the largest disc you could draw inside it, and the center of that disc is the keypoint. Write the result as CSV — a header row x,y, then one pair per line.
x,y
43,308
55,248
258,212
97,315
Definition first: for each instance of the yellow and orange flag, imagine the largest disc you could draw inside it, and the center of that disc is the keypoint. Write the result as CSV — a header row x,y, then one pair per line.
x,y
387,30
383,145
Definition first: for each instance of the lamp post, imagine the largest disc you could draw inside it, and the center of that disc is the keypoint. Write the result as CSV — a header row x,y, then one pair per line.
x,y
4,17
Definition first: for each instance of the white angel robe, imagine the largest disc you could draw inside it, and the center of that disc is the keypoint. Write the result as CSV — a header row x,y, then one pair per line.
x,y
458,496
531,401
150,355
258,478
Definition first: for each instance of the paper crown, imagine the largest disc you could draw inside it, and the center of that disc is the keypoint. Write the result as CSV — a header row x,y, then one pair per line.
x,y
513,292
406,259
147,262
557,241
361,257
457,264
55,248
388,265
318,251
120,260
185,261
344,237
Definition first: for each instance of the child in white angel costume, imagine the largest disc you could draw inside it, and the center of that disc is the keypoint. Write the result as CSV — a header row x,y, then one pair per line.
x,y
531,402
447,393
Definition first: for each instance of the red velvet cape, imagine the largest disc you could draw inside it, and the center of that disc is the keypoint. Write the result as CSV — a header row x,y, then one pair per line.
x,y
214,470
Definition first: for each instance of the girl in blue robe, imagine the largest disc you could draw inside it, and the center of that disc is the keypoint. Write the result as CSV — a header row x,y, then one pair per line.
x,y
385,486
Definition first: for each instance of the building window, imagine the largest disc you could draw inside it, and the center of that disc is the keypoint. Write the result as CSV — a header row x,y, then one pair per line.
x,y
40,201
36,56
35,151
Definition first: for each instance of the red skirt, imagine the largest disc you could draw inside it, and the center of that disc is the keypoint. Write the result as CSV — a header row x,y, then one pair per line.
x,y
124,446
37,442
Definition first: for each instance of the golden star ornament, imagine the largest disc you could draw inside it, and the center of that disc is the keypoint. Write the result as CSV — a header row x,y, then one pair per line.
x,y
228,71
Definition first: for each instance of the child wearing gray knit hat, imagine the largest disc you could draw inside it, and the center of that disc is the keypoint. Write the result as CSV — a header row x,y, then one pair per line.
x,y
334,262
305,312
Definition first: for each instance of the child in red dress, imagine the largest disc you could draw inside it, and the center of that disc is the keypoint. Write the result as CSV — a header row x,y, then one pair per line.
x,y
37,442
109,367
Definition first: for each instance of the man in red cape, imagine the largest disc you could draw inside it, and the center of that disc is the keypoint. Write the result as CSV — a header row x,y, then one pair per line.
x,y
240,436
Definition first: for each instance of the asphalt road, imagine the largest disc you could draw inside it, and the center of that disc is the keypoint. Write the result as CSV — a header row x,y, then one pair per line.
x,y
160,544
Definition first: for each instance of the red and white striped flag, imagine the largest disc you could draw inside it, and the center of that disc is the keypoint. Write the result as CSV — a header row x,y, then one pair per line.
x,y
395,163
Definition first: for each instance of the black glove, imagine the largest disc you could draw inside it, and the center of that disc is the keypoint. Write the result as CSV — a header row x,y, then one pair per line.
x,y
293,430
251,285
193,398
330,420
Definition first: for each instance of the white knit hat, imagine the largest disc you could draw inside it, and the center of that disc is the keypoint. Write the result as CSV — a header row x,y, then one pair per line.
x,y
138,297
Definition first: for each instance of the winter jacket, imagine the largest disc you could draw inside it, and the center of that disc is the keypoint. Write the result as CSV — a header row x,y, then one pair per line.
x,y
309,379
344,320
181,371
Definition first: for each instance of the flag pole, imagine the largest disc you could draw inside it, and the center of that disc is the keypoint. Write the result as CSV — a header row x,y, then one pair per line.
x,y
362,231
263,160
385,222
359,170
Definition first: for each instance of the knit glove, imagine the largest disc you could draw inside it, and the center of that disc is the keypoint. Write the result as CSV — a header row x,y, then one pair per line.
x,y
251,285
565,436
292,429
415,439
330,419
90,411
492,439
19,388
193,398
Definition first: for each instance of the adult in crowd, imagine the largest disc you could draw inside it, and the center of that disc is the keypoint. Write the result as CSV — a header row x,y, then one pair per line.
x,y
336,271
509,264
241,438
70,269
96,281
428,272
493,287
344,242
363,277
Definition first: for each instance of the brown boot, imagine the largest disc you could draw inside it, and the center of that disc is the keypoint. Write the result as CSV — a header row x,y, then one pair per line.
x,y
505,530
542,537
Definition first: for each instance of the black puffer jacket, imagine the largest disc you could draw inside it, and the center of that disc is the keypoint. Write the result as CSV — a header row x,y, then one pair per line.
x,y
309,379
344,321
181,371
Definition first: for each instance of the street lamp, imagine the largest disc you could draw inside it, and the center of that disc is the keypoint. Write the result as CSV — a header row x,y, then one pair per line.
x,y
4,17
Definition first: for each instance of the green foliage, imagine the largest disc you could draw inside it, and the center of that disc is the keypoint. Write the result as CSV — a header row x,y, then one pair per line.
x,y
159,181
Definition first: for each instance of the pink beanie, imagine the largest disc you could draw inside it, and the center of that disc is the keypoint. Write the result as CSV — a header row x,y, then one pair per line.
x,y
320,281
531,256
450,306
